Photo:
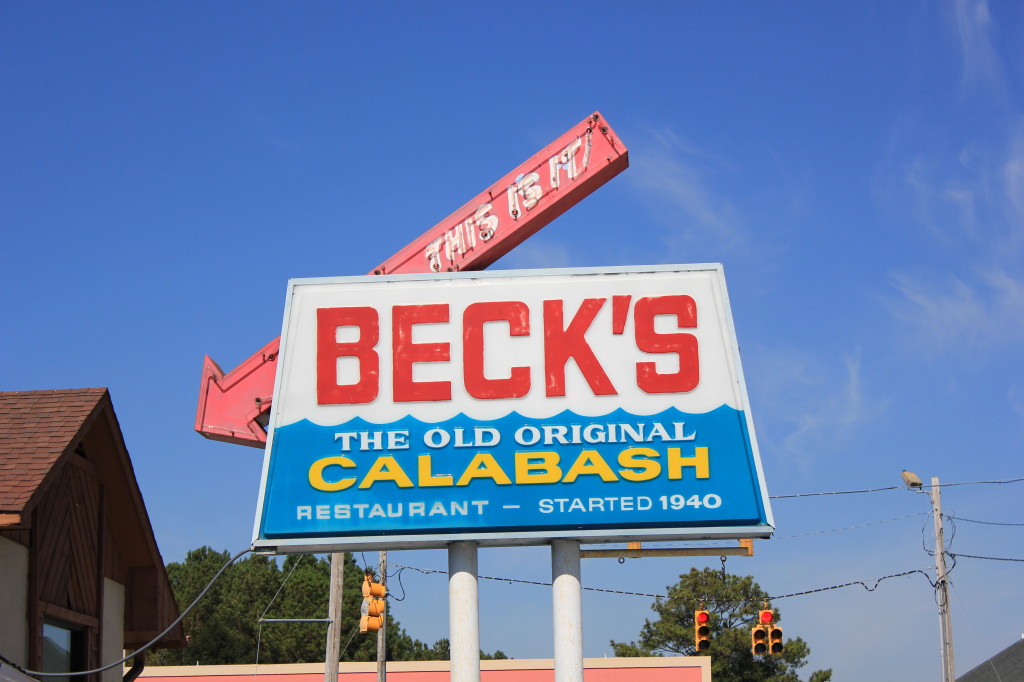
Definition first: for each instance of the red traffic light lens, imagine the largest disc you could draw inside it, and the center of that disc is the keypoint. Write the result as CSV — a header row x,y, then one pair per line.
x,y
703,617
766,616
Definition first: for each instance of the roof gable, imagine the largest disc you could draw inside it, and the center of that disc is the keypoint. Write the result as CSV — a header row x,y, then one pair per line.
x,y
45,433
37,428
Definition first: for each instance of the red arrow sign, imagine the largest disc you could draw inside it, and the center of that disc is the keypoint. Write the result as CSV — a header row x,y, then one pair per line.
x,y
235,407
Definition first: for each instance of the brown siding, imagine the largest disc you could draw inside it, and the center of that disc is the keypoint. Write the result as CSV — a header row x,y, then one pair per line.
x,y
66,565
68,524
21,536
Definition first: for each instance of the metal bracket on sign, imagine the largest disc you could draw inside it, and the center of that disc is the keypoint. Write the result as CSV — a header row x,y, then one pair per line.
x,y
635,550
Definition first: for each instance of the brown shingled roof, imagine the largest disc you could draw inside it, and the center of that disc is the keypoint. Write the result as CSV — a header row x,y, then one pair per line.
x,y
36,429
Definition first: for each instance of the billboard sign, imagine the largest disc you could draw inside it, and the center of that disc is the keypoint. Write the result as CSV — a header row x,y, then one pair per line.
x,y
510,408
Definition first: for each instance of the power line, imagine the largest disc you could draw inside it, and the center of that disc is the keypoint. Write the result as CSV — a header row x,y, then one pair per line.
x,y
539,583
835,492
862,583
974,556
987,523
947,485
863,525
892,487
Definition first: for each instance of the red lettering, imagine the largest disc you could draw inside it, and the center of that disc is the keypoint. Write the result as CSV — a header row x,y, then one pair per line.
x,y
328,350
405,353
648,379
561,343
517,314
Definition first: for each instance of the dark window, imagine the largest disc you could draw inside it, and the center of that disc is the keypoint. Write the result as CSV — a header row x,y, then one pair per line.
x,y
63,650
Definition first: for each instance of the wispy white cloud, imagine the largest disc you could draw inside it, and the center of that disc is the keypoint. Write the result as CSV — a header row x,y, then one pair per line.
x,y
676,172
974,26
835,416
1011,178
977,197
1015,398
956,315
536,254
823,404
974,207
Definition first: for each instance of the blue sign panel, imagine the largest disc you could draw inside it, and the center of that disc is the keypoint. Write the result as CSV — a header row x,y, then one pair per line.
x,y
510,408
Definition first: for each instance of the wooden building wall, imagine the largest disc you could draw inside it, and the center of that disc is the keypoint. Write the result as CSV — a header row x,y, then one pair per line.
x,y
66,559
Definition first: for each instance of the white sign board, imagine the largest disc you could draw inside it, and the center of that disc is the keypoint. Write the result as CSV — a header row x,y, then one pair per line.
x,y
510,408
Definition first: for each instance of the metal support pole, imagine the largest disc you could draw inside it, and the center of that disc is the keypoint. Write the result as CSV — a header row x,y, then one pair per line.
x,y
463,612
382,634
567,605
942,584
334,616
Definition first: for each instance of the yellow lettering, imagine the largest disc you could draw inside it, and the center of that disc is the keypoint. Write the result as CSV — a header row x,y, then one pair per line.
x,y
386,468
484,465
699,462
316,474
590,462
426,477
631,458
546,463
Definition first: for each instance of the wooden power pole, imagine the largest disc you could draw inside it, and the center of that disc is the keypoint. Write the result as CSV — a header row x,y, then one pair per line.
x,y
942,584
334,613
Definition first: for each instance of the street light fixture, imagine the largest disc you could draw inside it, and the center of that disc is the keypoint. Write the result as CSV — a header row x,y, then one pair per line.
x,y
911,479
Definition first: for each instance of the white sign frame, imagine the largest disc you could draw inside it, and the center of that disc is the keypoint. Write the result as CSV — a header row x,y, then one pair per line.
x,y
720,387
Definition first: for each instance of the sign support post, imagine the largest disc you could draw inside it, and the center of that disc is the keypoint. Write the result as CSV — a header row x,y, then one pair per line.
x,y
567,606
463,612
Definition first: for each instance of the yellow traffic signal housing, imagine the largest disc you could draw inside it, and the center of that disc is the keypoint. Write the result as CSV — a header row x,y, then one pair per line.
x,y
371,617
772,633
702,630
759,640
775,645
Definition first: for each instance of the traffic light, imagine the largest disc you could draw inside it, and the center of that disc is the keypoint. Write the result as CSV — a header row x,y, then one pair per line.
x,y
775,645
702,630
766,636
372,612
759,640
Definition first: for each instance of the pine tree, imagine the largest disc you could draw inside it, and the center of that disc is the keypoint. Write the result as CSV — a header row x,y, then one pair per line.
x,y
224,627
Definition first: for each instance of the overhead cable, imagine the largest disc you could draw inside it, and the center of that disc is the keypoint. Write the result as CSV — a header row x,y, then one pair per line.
x,y
836,492
862,583
974,556
863,525
987,523
893,487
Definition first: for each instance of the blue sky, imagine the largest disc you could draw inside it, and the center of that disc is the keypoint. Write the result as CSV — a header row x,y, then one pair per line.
x,y
858,168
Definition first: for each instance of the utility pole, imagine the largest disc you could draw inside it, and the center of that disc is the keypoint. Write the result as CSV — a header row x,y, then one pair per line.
x,y
382,634
334,614
942,584
913,482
